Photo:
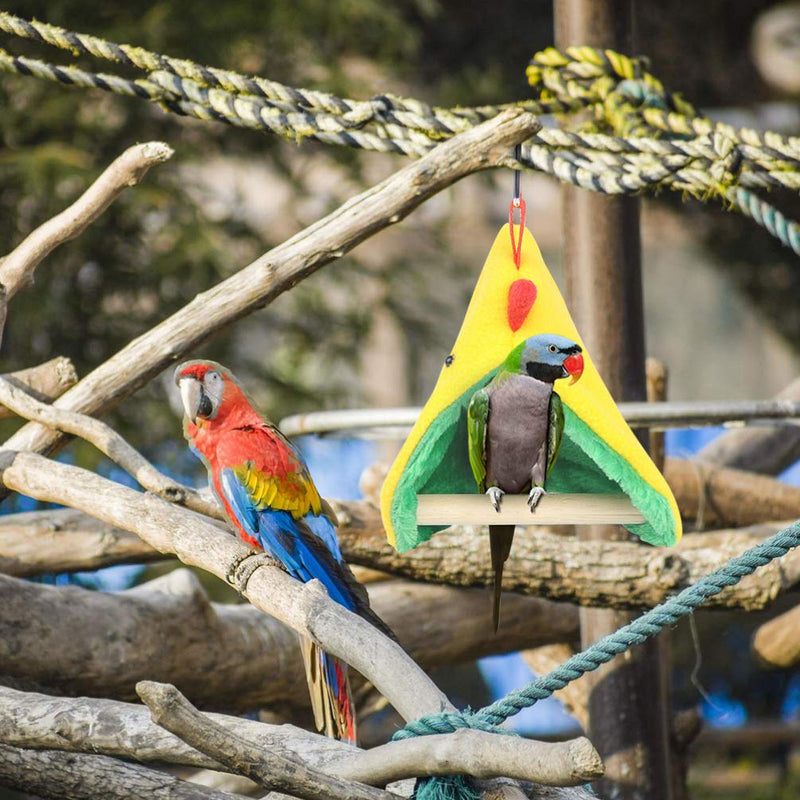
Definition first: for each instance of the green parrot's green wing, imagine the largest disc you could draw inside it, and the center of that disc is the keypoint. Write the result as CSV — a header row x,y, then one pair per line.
x,y
477,417
555,431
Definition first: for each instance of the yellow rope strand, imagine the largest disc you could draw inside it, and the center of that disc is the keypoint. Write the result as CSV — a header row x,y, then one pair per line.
x,y
636,137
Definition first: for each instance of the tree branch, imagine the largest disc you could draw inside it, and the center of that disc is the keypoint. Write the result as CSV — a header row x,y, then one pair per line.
x,y
79,776
479,754
483,147
109,442
219,653
776,643
271,769
303,607
16,269
607,574
765,450
718,496
66,540
45,382
125,730
620,574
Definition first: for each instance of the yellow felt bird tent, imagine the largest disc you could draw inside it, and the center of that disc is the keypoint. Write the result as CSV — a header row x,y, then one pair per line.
x,y
516,298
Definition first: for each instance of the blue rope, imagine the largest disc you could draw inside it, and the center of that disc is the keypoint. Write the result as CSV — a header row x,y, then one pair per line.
x,y
603,650
767,216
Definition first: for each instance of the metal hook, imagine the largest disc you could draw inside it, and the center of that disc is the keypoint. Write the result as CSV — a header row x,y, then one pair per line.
x,y
517,178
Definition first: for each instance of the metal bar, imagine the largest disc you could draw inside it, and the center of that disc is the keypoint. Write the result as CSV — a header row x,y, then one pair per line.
x,y
390,423
552,509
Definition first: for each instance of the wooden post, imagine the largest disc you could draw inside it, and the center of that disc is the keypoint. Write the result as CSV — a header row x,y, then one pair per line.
x,y
628,712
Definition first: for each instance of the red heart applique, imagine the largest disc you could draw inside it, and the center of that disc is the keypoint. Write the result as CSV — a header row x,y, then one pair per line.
x,y
521,297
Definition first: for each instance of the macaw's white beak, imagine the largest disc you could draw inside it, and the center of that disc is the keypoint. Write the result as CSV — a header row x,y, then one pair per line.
x,y
192,396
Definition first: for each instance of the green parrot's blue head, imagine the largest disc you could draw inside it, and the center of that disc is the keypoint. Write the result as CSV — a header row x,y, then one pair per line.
x,y
547,357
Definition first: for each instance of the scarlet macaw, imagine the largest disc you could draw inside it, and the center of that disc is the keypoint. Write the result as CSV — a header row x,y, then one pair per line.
x,y
269,496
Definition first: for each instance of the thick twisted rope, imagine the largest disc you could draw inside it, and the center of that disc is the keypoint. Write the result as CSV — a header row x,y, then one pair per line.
x,y
640,138
605,649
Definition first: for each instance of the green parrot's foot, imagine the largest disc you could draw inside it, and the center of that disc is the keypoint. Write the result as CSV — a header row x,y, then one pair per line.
x,y
495,495
242,568
536,494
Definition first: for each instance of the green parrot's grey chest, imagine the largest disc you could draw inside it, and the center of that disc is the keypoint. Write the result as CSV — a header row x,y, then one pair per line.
x,y
516,434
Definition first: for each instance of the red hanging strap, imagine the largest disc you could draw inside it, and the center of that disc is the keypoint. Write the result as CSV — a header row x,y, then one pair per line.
x,y
516,242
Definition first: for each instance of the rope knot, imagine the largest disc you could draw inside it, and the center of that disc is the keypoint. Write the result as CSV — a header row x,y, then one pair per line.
x,y
448,722
727,165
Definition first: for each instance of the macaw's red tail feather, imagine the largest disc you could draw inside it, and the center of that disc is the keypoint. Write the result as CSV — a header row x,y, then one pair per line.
x,y
329,687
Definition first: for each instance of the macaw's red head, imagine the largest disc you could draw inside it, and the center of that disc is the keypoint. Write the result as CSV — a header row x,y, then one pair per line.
x,y
210,394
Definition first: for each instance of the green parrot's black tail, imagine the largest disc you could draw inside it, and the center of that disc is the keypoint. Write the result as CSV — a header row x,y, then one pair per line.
x,y
500,538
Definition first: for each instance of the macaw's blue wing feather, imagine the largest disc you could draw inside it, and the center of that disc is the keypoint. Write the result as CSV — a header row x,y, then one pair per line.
x,y
307,547
325,530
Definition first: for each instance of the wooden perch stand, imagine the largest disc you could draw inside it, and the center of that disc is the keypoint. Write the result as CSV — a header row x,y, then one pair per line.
x,y
552,509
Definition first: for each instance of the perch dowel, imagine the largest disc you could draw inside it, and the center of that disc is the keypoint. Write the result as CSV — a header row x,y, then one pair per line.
x,y
553,509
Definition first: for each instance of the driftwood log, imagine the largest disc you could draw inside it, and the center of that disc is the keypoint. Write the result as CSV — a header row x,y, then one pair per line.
x,y
777,642
617,574
303,607
765,450
273,769
44,382
608,574
125,730
17,268
233,657
55,775
721,497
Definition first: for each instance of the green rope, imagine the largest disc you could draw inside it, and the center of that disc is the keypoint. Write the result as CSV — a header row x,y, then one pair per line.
x,y
640,137
602,651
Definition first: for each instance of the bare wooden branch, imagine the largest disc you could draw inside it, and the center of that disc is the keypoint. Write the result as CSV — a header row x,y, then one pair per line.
x,y
16,269
483,147
607,574
656,375
621,574
219,654
109,442
478,754
125,730
65,540
80,776
777,643
272,769
720,497
766,450
45,382
303,607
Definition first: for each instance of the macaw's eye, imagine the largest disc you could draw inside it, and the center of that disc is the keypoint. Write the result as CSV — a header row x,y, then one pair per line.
x,y
449,360
552,348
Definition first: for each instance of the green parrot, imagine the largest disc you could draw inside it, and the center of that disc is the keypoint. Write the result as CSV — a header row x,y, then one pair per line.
x,y
515,425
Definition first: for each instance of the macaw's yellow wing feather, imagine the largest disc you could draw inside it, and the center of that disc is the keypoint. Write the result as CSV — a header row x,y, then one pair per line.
x,y
293,492
599,452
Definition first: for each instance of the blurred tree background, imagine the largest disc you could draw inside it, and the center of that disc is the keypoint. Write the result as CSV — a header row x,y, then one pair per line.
x,y
230,194
372,328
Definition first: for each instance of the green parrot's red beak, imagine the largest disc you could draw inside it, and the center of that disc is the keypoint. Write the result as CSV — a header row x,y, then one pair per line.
x,y
574,366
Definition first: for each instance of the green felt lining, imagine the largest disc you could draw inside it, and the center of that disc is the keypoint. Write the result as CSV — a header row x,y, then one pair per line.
x,y
586,464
